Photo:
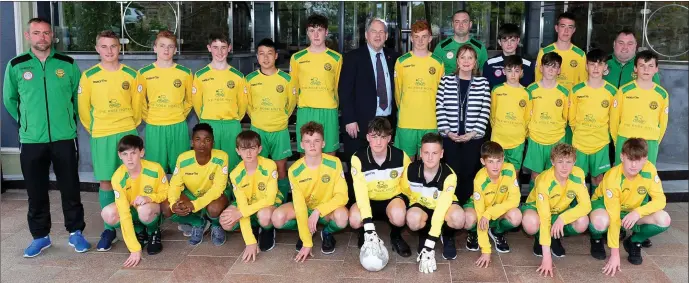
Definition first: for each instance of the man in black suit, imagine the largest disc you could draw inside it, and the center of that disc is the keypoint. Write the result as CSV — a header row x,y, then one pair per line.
x,y
366,88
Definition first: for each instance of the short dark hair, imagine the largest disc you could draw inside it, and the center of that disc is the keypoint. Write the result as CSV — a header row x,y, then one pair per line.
x,y
508,30
432,138
107,34
626,30
219,36
550,58
317,20
513,61
310,128
461,11
380,125
248,138
130,142
38,20
267,42
646,55
491,149
202,127
596,55
635,148
565,15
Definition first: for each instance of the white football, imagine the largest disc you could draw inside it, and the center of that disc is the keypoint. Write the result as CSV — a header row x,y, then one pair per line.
x,y
374,262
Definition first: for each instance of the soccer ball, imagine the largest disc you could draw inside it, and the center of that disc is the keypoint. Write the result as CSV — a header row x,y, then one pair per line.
x,y
372,261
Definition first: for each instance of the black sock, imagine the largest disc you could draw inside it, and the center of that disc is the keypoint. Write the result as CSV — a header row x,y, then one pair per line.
x,y
395,232
448,231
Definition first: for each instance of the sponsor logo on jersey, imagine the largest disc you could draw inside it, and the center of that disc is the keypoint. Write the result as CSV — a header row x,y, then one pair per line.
x,y
325,178
279,88
449,55
431,70
125,85
571,194
113,103
60,73
558,102
608,193
327,67
28,75
605,103
177,83
148,189
261,186
641,190
653,105
117,194
477,196
522,103
573,63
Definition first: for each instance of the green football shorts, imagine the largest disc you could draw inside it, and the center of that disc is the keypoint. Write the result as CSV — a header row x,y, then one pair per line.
x,y
165,143
409,140
595,164
104,155
538,155
326,117
225,136
276,145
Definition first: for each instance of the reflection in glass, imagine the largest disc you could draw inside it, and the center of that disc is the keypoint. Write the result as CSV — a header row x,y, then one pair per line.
x,y
82,21
667,30
608,18
357,14
242,38
292,17
199,19
143,20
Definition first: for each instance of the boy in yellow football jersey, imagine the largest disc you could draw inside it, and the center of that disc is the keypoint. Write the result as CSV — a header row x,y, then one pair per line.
x,y
254,184
589,116
640,108
494,207
166,103
573,58
197,188
417,75
558,206
272,98
140,188
219,95
510,112
109,102
319,195
316,73
550,103
625,191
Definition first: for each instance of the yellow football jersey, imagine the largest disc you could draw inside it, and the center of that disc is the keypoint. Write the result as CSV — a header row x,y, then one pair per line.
x,y
316,76
548,113
589,116
271,100
416,85
640,113
166,94
510,112
573,69
206,182
109,102
219,94
151,182
620,194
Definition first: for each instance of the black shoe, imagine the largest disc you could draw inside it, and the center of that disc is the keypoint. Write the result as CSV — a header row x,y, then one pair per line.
x,y
361,237
499,240
400,246
142,237
299,245
634,251
267,239
472,241
597,249
449,249
328,244
556,248
647,243
155,246
537,248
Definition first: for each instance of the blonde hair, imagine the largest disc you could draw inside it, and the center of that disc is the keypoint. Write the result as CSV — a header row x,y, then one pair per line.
x,y
563,150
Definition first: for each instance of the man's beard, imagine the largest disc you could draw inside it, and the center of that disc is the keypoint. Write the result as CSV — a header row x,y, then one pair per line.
x,y
41,48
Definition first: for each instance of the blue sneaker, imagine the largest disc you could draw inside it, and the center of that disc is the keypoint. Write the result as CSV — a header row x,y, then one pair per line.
x,y
217,235
197,233
37,246
78,242
107,238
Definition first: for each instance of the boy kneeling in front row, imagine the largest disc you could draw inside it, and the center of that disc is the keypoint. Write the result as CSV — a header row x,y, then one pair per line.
x,y
140,188
622,200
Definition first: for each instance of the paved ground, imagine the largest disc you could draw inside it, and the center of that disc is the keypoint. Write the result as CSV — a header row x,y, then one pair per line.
x,y
666,261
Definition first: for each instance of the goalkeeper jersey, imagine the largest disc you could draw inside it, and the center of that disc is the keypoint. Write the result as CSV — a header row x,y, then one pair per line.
x,y
416,85
436,195
206,182
166,94
378,182
643,193
219,94
271,100
570,200
323,188
254,192
494,199
638,112
316,76
572,69
447,51
151,182
109,101
548,113
589,116
510,112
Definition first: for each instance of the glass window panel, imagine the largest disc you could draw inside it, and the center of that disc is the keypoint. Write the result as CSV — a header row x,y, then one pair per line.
x,y
608,18
262,22
292,17
357,13
143,20
83,21
242,38
198,20
580,11
667,30
550,12
440,15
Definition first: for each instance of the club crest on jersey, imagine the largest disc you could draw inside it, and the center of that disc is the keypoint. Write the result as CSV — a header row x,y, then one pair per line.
x,y
325,178
573,63
60,73
394,174
230,84
148,189
605,103
606,72
498,72
435,195
117,194
177,83
558,102
477,196
657,179
28,75
125,85
261,186
614,103
140,88
211,176
503,189
431,70
449,55
327,67
280,88
571,194
641,190
522,103
653,105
